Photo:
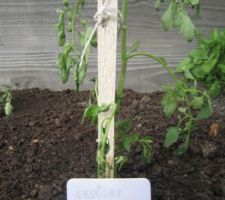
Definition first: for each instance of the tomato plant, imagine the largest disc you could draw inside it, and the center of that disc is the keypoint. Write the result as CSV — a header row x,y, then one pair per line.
x,y
182,96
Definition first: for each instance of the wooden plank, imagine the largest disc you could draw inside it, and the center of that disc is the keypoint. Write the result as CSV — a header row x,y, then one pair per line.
x,y
107,48
28,41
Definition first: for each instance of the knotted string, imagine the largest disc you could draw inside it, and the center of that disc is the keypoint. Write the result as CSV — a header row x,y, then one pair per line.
x,y
102,16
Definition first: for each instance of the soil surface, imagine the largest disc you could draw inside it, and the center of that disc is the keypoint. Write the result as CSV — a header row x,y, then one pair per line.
x,y
44,143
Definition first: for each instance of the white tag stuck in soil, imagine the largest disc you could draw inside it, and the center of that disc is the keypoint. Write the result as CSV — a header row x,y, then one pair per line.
x,y
108,189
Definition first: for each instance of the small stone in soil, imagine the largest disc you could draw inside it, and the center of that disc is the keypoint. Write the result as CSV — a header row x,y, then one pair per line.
x,y
135,103
145,99
208,149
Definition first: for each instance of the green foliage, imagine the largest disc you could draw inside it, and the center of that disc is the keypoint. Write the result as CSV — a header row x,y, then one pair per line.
x,y
191,105
126,139
172,136
134,48
182,97
71,55
176,16
6,100
205,112
207,63
92,111
169,101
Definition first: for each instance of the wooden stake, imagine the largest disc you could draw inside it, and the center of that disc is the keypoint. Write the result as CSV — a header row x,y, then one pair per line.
x,y
107,46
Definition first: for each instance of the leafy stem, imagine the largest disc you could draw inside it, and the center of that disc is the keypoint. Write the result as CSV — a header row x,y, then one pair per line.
x,y
103,165
156,58
75,11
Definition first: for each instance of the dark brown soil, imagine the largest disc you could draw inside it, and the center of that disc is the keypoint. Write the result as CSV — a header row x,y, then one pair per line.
x,y
43,144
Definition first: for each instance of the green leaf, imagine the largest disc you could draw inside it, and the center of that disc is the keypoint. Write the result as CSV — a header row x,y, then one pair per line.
x,y
187,28
197,102
67,48
168,16
175,16
185,66
64,63
61,15
69,63
70,15
222,67
206,67
169,102
91,112
194,2
198,72
146,153
182,109
198,56
146,142
135,46
182,148
61,60
103,108
215,35
69,27
169,108
120,161
171,136
205,112
82,72
215,88
8,108
129,140
94,42
123,126
66,3
157,4
61,37
83,2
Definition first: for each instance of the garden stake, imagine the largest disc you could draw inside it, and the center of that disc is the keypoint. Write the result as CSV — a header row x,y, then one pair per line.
x,y
107,45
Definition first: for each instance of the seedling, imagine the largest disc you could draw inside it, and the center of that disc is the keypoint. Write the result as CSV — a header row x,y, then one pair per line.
x,y
192,104
207,63
6,100
72,56
124,137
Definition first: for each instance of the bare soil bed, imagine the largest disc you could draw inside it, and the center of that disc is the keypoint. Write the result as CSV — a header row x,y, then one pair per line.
x,y
44,143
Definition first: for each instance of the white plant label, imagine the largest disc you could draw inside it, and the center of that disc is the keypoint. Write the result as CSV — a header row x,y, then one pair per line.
x,y
108,189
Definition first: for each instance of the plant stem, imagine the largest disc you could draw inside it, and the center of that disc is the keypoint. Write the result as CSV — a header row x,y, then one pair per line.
x,y
171,73
75,11
105,169
158,59
122,75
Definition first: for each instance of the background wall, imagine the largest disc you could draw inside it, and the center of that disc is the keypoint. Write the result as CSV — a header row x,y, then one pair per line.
x,y
28,47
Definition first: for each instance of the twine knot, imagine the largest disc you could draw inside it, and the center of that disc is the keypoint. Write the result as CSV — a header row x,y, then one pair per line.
x,y
107,13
